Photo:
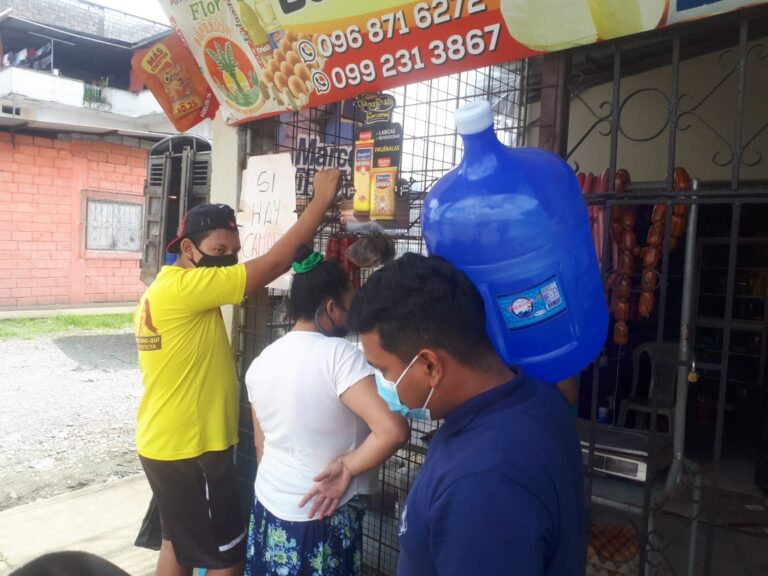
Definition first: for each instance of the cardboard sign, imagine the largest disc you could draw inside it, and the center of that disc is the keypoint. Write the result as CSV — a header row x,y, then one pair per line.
x,y
267,207
170,72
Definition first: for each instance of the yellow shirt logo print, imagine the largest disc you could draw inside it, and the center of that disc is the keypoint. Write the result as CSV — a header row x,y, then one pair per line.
x,y
147,338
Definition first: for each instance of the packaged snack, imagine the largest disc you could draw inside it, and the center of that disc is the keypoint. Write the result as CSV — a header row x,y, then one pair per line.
x,y
361,204
383,193
171,73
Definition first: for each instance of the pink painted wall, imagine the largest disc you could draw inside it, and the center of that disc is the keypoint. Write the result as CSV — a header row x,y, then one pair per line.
x,y
44,184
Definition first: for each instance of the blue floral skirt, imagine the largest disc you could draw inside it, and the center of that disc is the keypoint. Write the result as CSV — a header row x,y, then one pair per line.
x,y
329,547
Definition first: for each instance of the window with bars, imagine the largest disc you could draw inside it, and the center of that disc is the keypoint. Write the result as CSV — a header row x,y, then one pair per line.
x,y
113,226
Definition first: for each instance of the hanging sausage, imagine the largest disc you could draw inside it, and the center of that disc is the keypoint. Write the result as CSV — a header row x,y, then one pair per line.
x,y
627,253
653,253
625,248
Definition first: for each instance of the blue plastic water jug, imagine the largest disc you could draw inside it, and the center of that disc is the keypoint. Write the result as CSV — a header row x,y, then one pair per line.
x,y
514,221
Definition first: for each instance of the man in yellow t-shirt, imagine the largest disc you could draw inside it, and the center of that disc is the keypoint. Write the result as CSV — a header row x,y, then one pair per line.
x,y
187,421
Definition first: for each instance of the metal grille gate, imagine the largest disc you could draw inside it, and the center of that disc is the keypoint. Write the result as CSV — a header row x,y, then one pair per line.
x,y
726,222
716,129
322,137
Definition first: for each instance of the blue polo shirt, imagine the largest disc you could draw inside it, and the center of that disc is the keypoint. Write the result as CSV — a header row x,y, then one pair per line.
x,y
500,491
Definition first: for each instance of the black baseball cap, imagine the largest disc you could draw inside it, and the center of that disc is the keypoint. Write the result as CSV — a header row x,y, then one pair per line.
x,y
202,218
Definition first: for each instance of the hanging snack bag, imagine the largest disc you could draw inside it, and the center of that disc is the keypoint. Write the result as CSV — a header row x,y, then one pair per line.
x,y
361,204
383,193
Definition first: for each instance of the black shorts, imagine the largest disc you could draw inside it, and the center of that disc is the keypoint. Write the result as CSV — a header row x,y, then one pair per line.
x,y
199,508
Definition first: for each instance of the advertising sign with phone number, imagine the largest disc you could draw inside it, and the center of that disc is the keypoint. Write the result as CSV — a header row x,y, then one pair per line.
x,y
265,57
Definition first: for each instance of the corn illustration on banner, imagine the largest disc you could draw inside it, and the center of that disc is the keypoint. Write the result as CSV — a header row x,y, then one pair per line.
x,y
265,57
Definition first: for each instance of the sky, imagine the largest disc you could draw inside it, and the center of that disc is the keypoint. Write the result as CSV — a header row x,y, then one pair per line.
x,y
149,9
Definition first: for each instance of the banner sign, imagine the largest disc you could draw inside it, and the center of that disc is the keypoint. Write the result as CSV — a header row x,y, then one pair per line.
x,y
171,73
265,57
319,141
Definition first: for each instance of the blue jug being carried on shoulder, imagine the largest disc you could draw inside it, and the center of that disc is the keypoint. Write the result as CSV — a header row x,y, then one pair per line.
x,y
513,219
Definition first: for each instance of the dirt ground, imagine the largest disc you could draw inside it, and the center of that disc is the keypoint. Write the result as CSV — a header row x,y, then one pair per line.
x,y
67,414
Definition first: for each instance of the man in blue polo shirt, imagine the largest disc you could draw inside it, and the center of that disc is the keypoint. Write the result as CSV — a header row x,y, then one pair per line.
x,y
501,489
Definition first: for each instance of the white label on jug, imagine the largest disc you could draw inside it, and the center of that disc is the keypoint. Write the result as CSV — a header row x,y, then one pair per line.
x,y
531,306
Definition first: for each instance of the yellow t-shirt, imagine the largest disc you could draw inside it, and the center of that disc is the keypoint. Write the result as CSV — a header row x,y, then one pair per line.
x,y
191,393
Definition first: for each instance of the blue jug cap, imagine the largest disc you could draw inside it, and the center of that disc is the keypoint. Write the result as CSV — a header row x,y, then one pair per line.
x,y
473,117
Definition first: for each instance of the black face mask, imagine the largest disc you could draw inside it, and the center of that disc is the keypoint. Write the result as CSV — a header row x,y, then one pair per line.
x,y
337,331
208,261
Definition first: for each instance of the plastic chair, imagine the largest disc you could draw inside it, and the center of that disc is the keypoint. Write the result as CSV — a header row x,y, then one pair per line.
x,y
664,364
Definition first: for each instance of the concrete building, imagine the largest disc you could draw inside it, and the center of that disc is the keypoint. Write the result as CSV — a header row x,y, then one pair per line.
x,y
75,128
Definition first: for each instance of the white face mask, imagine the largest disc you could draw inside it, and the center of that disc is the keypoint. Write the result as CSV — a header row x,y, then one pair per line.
x,y
388,391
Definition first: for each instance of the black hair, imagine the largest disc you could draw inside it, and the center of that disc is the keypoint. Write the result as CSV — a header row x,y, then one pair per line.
x,y
198,237
419,302
326,281
69,563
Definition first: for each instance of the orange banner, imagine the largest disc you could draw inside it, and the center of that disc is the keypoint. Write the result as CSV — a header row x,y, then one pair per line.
x,y
170,72
264,57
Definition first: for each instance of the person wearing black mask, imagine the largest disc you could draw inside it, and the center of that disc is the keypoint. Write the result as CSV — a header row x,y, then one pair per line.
x,y
188,418
320,430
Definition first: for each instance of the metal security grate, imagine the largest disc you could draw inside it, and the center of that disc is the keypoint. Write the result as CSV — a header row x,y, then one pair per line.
x,y
683,98
324,137
113,226
201,171
156,171
647,104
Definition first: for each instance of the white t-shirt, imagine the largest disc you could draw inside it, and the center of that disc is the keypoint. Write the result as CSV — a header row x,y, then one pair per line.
x,y
294,386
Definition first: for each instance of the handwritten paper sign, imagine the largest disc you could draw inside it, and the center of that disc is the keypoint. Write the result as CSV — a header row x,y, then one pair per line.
x,y
267,207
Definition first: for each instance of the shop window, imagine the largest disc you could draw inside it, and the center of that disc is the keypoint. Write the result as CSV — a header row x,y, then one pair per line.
x,y
113,226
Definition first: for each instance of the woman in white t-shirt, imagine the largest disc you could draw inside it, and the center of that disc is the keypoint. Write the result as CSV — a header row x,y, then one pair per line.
x,y
321,430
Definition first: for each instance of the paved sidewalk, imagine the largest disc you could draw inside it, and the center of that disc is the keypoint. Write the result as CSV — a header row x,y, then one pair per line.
x,y
102,519
81,310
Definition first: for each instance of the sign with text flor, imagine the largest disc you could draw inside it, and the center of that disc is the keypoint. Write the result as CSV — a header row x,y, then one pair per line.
x,y
267,207
265,57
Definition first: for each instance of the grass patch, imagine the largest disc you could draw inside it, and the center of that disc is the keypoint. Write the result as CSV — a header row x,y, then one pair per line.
x,y
28,328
